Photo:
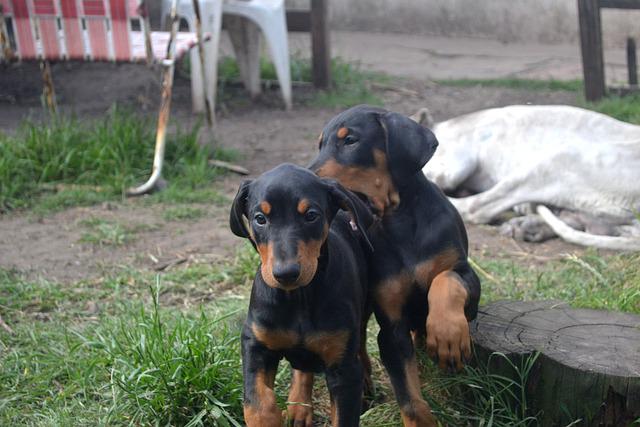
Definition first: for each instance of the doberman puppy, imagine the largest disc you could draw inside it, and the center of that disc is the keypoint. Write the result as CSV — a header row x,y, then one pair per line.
x,y
421,281
309,297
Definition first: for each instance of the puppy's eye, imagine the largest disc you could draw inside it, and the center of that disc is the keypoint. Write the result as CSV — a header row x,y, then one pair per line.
x,y
311,216
260,219
350,139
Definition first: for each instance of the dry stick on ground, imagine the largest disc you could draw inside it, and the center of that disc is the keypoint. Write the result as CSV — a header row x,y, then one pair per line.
x,y
229,166
5,326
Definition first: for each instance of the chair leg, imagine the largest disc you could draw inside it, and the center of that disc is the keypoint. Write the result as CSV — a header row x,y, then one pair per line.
x,y
208,56
245,38
161,131
276,36
48,91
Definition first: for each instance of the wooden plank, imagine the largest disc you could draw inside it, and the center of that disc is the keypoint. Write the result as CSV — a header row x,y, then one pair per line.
x,y
320,44
632,63
299,20
591,47
620,4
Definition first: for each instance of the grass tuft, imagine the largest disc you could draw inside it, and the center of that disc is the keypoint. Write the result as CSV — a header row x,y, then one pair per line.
x,y
515,83
173,370
67,162
350,84
625,108
589,281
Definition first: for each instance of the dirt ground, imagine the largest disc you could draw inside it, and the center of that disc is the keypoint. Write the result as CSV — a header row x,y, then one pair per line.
x,y
261,131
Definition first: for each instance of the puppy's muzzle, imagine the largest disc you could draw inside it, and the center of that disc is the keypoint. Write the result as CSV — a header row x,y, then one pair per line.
x,y
286,273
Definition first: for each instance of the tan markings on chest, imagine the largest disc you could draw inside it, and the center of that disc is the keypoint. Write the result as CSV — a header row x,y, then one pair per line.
x,y
392,293
330,346
275,339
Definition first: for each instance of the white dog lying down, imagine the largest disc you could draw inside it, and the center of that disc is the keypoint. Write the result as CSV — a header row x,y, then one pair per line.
x,y
551,156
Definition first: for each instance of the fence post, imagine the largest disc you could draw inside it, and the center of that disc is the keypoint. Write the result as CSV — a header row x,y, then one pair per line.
x,y
320,44
632,64
591,46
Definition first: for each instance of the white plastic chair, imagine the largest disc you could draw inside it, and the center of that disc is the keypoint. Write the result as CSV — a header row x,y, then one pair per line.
x,y
211,13
269,16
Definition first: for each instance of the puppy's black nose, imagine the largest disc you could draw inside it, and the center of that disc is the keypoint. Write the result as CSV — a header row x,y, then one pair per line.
x,y
286,273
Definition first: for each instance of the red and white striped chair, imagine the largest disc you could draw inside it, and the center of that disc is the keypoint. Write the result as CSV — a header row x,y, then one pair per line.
x,y
98,30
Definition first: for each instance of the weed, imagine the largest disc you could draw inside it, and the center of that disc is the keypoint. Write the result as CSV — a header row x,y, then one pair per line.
x,y
590,281
173,370
514,83
181,213
625,108
88,162
350,84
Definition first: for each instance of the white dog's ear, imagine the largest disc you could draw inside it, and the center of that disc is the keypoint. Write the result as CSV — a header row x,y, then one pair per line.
x,y
409,145
423,117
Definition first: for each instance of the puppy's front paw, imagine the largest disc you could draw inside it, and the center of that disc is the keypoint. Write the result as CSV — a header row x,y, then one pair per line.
x,y
299,415
448,339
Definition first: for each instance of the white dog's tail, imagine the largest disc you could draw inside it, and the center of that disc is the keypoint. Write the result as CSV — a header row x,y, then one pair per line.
x,y
586,239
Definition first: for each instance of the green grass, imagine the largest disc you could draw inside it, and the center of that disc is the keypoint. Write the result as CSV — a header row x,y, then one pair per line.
x,y
67,162
102,232
590,281
625,108
350,84
135,360
171,356
515,83
181,213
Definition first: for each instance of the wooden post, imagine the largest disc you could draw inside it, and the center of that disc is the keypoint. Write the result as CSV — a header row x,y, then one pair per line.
x,y
591,47
632,64
588,361
320,44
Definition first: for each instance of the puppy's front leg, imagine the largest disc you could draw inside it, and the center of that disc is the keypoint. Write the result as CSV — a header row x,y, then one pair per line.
x,y
259,366
299,406
345,383
453,301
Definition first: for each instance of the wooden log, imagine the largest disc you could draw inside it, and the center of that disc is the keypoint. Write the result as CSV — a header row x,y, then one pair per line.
x,y
591,48
632,63
588,367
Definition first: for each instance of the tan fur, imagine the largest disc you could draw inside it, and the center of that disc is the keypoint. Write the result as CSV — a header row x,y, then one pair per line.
x,y
375,182
275,339
265,412
330,346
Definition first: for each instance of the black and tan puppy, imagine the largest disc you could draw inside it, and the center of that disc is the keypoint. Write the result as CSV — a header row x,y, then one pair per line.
x,y
421,281
308,301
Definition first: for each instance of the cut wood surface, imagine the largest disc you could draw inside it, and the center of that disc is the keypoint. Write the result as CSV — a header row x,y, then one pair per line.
x,y
589,362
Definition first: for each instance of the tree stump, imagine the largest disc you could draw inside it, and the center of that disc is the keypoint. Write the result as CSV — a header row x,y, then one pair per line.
x,y
588,367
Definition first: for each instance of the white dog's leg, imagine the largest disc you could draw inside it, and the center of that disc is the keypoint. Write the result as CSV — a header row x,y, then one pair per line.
x,y
586,239
484,207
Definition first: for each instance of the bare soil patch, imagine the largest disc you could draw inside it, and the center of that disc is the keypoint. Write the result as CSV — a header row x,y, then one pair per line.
x,y
261,131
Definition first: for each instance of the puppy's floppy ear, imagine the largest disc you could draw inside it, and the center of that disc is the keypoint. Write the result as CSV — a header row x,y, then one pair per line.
x,y
346,200
238,211
409,145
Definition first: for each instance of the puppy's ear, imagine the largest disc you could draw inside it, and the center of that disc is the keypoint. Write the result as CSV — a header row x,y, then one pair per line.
x,y
346,200
409,145
239,210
